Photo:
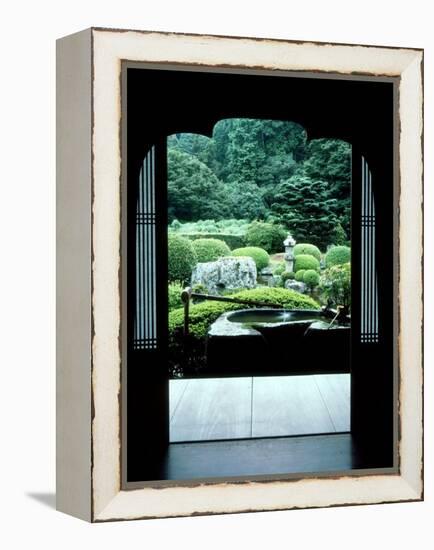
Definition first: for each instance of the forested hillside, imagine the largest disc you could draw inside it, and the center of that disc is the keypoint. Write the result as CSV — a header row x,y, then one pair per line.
x,y
262,170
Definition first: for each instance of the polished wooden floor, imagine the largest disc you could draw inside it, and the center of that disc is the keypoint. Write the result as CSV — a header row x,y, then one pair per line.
x,y
258,407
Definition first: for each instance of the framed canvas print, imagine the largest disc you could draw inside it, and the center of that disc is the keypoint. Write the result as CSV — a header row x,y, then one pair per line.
x,y
239,322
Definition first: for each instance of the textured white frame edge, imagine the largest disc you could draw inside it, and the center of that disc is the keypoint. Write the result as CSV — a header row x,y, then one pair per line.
x,y
88,271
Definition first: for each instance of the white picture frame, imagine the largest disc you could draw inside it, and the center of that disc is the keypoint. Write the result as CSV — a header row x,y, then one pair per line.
x,y
89,484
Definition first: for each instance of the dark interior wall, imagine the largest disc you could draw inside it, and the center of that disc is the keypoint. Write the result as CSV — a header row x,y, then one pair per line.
x,y
162,102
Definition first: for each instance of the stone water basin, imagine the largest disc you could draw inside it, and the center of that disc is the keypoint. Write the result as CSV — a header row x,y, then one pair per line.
x,y
269,341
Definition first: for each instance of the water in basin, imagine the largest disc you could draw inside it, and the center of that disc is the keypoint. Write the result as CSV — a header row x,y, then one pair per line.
x,y
256,316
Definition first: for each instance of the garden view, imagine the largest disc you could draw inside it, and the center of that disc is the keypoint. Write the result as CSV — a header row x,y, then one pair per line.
x,y
234,199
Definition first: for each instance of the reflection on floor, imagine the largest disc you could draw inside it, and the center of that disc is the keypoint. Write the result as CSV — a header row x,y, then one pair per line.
x,y
233,408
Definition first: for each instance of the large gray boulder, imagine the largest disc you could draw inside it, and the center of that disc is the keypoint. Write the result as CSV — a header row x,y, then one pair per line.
x,y
228,273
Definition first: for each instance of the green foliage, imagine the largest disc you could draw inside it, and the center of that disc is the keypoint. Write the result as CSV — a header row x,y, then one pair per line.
x,y
279,268
265,170
307,207
311,278
175,290
339,235
268,236
259,255
233,241
204,314
305,248
182,258
231,231
330,160
288,275
209,250
245,200
229,226
305,261
335,285
194,191
299,275
338,255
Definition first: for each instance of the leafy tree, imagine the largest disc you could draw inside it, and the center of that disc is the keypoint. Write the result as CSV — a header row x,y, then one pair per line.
x,y
194,191
263,170
330,160
245,200
307,208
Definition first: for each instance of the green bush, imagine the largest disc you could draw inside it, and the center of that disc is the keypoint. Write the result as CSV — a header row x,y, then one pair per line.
x,y
306,261
279,268
233,241
209,250
311,278
182,258
259,255
268,236
227,226
335,285
202,315
338,255
175,290
305,248
299,275
339,236
288,275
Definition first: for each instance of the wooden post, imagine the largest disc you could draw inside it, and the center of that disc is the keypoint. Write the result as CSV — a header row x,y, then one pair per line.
x,y
185,297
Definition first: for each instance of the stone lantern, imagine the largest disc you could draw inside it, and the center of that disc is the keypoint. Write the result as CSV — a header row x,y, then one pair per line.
x,y
289,244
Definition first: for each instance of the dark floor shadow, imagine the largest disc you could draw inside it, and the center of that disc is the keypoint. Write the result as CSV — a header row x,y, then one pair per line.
x,y
47,499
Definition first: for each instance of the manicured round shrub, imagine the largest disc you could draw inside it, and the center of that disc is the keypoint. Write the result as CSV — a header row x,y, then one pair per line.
x,y
311,278
338,255
233,241
299,275
268,236
259,255
288,275
175,290
305,248
306,261
209,250
182,258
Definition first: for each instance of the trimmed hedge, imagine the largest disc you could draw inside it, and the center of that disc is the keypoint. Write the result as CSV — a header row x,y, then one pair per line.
x,y
209,250
233,241
288,275
202,315
338,255
175,290
306,261
182,258
259,255
299,275
305,248
268,236
311,278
